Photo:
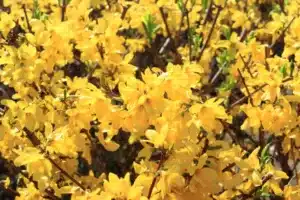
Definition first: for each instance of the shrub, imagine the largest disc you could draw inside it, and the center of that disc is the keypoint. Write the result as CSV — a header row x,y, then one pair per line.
x,y
149,99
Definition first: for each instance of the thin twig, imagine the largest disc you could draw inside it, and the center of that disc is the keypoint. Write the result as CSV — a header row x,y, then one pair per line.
x,y
216,75
245,97
189,35
243,34
65,173
281,4
165,21
9,191
208,12
209,34
35,141
125,9
162,49
265,179
294,159
26,18
246,64
30,179
63,10
245,85
182,18
283,32
161,162
258,89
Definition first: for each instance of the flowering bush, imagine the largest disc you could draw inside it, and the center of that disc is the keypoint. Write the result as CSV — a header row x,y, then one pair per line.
x,y
150,99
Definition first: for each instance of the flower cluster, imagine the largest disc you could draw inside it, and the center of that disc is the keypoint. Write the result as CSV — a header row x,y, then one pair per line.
x,y
150,99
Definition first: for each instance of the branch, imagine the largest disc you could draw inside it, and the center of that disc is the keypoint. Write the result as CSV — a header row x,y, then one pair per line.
x,y
9,191
294,159
245,97
209,34
125,9
63,10
161,162
283,32
65,172
208,12
18,170
165,22
245,85
36,142
26,18
189,38
246,64
255,189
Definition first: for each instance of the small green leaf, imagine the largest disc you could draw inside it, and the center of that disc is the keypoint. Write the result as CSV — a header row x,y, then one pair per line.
x,y
150,27
204,4
283,70
36,12
250,37
180,5
193,2
227,32
265,151
228,84
286,2
264,155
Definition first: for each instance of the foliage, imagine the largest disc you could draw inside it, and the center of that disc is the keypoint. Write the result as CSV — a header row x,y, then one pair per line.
x,y
149,99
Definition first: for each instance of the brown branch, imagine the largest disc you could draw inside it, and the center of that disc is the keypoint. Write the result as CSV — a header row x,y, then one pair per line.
x,y
267,55
9,191
189,36
283,32
182,18
125,9
261,137
65,173
30,179
26,18
63,10
246,64
205,148
245,85
294,159
243,35
216,75
208,12
165,21
258,89
245,97
281,4
209,34
35,141
265,179
161,162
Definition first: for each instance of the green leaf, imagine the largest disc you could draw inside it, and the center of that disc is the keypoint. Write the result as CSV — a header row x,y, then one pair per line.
x,y
283,70
286,2
250,37
193,2
204,4
36,12
227,32
150,26
264,155
228,84
180,5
